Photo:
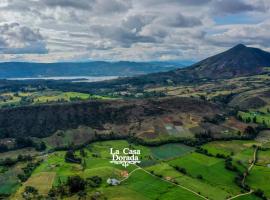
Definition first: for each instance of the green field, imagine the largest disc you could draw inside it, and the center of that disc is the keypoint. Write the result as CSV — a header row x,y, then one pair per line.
x,y
259,179
255,117
168,151
228,148
45,96
211,169
200,186
205,175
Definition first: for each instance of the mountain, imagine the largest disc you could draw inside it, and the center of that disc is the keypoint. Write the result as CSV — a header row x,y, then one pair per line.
x,y
95,68
237,61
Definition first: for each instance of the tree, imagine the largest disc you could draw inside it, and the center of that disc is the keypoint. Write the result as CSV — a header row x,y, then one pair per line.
x,y
94,181
30,193
41,147
260,193
3,148
76,184
250,131
70,157
255,119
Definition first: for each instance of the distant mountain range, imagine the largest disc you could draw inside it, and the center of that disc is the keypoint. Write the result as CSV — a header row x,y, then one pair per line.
x,y
235,62
95,68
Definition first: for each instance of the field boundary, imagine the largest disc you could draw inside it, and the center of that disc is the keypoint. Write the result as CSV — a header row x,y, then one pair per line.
x,y
183,187
245,174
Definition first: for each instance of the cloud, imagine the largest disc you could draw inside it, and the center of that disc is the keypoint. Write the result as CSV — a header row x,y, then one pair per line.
x,y
17,39
123,36
254,35
81,4
129,29
180,20
236,6
179,2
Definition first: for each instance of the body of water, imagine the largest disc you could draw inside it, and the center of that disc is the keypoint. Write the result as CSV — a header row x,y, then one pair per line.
x,y
71,78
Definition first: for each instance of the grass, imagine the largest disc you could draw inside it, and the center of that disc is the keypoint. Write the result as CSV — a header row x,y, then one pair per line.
x,y
46,96
256,117
14,154
195,184
77,136
9,182
259,179
154,188
263,158
264,136
248,197
228,148
42,182
168,151
211,169
216,182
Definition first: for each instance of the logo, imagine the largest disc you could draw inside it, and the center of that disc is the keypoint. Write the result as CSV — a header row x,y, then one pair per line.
x,y
125,157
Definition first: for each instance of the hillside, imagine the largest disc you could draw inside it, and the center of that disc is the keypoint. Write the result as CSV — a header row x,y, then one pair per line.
x,y
44,120
237,61
96,68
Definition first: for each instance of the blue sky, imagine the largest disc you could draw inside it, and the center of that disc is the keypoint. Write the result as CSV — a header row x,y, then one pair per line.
x,y
136,30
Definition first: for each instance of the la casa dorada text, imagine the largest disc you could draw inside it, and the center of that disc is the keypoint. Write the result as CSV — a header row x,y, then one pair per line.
x,y
125,151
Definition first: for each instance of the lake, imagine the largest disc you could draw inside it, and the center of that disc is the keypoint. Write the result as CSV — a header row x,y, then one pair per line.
x,y
72,78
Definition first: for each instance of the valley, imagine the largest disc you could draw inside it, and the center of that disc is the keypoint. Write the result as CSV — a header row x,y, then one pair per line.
x,y
198,137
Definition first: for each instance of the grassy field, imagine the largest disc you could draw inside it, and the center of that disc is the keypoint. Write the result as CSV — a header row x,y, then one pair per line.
x,y
200,186
9,182
77,136
259,179
211,169
46,96
14,154
204,175
255,117
228,148
41,181
153,188
168,151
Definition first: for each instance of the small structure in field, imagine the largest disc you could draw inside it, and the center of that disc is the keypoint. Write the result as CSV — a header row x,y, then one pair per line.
x,y
113,181
124,173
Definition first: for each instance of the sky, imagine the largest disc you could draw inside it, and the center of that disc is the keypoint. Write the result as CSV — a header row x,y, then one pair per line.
x,y
134,30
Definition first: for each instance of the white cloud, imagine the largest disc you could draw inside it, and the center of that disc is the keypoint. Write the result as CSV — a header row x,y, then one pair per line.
x,y
51,30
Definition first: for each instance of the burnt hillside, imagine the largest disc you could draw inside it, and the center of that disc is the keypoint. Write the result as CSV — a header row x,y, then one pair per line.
x,y
44,120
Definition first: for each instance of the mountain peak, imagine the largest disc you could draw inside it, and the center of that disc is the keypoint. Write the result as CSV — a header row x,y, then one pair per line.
x,y
238,47
240,60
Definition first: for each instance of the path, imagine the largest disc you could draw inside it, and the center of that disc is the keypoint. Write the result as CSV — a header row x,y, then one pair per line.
x,y
239,195
183,187
245,175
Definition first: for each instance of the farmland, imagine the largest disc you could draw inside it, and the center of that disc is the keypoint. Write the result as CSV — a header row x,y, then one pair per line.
x,y
36,96
203,176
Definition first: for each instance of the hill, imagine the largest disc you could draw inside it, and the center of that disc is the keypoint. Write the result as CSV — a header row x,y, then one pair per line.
x,y
95,68
237,61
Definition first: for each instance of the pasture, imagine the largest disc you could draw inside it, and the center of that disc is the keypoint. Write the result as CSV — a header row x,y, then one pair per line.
x,y
211,169
259,179
169,151
200,186
255,117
